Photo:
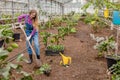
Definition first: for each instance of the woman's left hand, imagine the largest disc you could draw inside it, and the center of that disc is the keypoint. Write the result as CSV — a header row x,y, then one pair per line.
x,y
28,38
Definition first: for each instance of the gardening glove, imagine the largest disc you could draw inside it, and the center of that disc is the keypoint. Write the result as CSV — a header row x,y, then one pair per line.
x,y
28,38
21,26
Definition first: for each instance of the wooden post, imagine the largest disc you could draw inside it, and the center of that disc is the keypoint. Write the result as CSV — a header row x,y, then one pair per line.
x,y
116,52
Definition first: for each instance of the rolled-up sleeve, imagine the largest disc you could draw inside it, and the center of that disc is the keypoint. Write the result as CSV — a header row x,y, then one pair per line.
x,y
33,32
21,17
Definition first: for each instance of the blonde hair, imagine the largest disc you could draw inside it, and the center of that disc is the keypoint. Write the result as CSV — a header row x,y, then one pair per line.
x,y
35,19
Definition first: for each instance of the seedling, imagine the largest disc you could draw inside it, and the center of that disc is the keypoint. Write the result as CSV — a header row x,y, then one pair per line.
x,y
44,69
45,36
55,47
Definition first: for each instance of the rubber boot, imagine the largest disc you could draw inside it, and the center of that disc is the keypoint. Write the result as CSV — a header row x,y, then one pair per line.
x,y
30,59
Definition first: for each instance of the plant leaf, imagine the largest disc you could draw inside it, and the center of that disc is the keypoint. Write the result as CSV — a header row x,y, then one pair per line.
x,y
6,75
20,57
27,78
3,54
24,73
5,72
13,65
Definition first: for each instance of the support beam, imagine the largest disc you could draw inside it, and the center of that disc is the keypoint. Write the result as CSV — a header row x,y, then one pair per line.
x,y
55,1
62,10
59,3
67,2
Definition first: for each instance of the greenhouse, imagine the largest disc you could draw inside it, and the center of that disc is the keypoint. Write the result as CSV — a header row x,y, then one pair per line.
x,y
59,39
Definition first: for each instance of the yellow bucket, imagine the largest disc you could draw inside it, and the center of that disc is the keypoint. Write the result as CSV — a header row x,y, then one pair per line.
x,y
106,13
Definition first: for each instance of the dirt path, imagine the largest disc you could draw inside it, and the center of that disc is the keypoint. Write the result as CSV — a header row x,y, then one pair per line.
x,y
85,65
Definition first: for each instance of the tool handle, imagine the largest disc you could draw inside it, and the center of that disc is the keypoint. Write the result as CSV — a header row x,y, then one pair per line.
x,y
27,40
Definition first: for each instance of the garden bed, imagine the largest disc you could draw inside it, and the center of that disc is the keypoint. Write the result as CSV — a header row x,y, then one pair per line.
x,y
79,47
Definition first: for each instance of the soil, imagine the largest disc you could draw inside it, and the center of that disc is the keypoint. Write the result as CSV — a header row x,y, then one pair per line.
x,y
85,63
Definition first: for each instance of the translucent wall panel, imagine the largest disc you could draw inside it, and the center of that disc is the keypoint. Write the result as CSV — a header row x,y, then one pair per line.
x,y
2,4
50,7
13,7
74,5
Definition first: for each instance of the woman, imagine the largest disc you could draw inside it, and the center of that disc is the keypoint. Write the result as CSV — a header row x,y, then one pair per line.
x,y
31,22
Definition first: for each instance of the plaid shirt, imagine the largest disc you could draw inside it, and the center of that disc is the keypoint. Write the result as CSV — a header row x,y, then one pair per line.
x,y
29,21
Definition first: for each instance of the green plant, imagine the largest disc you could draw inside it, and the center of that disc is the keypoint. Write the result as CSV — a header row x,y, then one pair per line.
x,y
115,77
55,47
6,67
89,18
44,69
48,24
71,23
68,17
115,69
17,14
45,36
6,16
71,13
56,38
6,34
71,19
106,46
101,4
12,46
9,49
63,31
64,18
73,30
76,17
8,21
97,25
96,20
56,21
27,78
